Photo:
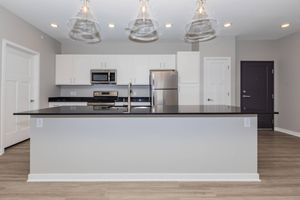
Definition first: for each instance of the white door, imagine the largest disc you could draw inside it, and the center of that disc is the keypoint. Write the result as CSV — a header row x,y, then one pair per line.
x,y
17,94
217,81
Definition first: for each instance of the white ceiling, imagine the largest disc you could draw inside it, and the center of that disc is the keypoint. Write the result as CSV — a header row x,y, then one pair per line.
x,y
251,19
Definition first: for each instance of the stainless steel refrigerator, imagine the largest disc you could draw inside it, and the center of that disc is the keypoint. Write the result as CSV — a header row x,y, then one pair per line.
x,y
164,87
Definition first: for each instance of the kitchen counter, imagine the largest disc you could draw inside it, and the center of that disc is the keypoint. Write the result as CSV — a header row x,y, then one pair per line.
x,y
170,143
158,110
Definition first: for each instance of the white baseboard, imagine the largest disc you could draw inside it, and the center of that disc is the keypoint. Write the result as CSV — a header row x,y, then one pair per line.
x,y
1,152
247,177
297,134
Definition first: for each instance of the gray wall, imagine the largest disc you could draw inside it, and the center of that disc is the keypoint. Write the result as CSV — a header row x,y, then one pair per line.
x,y
259,50
289,82
159,47
18,31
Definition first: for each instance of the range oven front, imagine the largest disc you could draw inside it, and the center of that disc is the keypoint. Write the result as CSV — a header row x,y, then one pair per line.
x,y
103,76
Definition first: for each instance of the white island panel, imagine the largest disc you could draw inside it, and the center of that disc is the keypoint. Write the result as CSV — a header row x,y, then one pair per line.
x,y
149,148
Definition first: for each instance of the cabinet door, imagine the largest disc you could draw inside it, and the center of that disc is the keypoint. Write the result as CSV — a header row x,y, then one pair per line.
x,y
141,70
125,69
189,94
162,61
64,70
168,61
82,69
188,67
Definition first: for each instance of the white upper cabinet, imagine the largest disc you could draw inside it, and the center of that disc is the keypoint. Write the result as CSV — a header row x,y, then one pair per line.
x,y
104,62
75,69
82,69
162,61
64,70
188,67
124,69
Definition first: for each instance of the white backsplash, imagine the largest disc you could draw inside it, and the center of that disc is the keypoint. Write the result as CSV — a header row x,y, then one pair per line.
x,y
87,91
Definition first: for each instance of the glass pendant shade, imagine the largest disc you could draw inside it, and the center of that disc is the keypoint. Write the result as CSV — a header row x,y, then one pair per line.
x,y
84,26
201,28
143,29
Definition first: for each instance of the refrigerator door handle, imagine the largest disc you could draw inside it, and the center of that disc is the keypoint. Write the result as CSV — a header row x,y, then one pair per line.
x,y
153,100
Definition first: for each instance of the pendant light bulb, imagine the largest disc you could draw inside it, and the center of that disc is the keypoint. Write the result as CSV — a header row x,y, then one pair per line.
x,y
143,28
84,26
85,6
201,28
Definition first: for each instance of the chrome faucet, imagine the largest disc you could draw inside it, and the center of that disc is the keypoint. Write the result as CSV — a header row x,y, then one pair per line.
x,y
129,97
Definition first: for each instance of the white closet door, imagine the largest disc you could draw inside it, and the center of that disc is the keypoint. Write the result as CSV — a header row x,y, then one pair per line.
x,y
18,76
217,81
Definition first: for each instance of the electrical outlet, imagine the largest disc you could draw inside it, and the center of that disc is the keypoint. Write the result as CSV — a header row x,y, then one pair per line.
x,y
39,123
247,122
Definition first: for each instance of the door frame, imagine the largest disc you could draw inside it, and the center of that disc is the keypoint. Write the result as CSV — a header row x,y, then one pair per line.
x,y
36,80
229,59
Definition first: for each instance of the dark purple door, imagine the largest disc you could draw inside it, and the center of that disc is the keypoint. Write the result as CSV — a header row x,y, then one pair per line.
x,y
257,90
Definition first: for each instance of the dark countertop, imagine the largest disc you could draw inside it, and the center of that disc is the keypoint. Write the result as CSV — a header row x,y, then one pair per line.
x,y
158,110
93,99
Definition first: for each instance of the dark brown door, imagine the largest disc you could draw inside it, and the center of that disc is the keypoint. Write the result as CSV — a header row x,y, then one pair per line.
x,y
257,90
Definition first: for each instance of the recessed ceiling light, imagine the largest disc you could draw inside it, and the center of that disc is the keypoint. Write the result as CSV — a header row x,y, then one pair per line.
x,y
111,25
285,25
168,25
227,25
54,25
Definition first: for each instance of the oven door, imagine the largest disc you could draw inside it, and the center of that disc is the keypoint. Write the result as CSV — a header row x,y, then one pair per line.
x,y
100,77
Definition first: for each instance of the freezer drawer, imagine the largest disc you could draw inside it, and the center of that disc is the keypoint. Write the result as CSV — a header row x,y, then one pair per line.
x,y
164,97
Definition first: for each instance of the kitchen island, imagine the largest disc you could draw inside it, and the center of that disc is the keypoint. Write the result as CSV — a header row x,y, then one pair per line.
x,y
163,143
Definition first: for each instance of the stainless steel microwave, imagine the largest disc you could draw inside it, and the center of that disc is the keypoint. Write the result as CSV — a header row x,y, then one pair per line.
x,y
104,76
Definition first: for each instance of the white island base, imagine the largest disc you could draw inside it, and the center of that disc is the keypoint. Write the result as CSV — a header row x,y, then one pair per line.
x,y
143,148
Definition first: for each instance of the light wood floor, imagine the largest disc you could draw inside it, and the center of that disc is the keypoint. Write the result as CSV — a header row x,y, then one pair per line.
x,y
279,167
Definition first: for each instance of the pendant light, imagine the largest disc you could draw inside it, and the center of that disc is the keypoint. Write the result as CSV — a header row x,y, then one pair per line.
x,y
84,26
143,29
201,28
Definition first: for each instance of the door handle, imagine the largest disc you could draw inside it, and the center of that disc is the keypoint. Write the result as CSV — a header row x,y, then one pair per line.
x,y
246,96
32,101
210,100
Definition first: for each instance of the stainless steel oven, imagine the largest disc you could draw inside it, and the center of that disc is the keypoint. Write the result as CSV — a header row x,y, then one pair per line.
x,y
104,76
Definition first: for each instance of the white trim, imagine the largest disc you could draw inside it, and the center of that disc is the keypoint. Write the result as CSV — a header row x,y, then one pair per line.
x,y
36,82
248,177
297,134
